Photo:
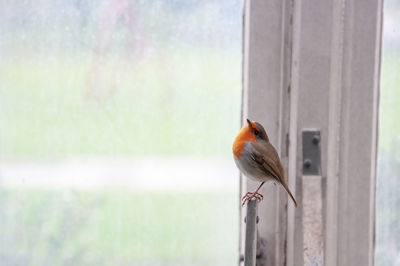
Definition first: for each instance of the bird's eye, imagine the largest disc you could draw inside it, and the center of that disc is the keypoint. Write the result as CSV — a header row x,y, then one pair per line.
x,y
256,132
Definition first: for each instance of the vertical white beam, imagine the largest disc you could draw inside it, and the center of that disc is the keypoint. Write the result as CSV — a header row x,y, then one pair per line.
x,y
358,138
266,81
335,104
309,109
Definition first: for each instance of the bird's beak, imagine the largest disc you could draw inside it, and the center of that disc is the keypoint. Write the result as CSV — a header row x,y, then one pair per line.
x,y
249,122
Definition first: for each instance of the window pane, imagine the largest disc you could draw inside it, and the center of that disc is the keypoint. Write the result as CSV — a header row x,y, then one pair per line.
x,y
388,179
116,124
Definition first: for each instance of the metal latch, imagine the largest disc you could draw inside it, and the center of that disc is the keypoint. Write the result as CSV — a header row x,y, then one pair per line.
x,y
311,152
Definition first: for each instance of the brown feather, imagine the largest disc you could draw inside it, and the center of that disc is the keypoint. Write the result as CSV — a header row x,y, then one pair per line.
x,y
268,160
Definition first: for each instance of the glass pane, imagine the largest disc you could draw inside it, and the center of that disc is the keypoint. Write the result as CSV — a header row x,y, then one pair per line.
x,y
116,124
388,179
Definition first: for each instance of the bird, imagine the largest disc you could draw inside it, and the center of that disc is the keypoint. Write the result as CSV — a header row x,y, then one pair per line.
x,y
257,159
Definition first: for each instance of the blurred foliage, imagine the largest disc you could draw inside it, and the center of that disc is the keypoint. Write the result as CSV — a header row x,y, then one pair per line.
x,y
122,77
118,78
116,227
48,26
387,250
187,104
387,209
389,104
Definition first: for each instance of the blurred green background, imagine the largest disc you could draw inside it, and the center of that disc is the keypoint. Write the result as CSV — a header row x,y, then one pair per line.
x,y
194,110
117,227
388,170
141,79
118,79
387,245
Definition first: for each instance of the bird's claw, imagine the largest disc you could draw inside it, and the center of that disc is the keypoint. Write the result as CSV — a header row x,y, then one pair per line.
x,y
250,196
254,195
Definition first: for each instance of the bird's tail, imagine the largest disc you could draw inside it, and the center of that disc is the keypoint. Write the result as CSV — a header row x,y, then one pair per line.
x,y
290,193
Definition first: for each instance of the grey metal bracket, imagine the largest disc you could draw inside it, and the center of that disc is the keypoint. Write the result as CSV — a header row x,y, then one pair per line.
x,y
251,221
311,152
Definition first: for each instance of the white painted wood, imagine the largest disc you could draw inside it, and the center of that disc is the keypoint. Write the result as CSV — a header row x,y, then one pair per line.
x,y
293,136
266,78
310,82
334,116
358,127
322,72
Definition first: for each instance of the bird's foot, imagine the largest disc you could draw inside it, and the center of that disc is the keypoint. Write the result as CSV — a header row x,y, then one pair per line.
x,y
250,196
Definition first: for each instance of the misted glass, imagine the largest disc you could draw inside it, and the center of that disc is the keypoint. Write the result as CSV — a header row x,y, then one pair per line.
x,y
116,124
387,251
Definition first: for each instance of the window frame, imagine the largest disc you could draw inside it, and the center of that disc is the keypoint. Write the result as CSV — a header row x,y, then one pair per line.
x,y
315,64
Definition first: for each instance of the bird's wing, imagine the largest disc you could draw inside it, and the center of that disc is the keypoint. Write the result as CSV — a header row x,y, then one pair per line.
x,y
269,164
268,160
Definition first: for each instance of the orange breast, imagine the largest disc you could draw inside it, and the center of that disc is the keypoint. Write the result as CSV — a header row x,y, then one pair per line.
x,y
245,134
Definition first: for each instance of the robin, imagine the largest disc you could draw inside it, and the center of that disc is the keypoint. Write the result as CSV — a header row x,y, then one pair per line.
x,y
257,159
